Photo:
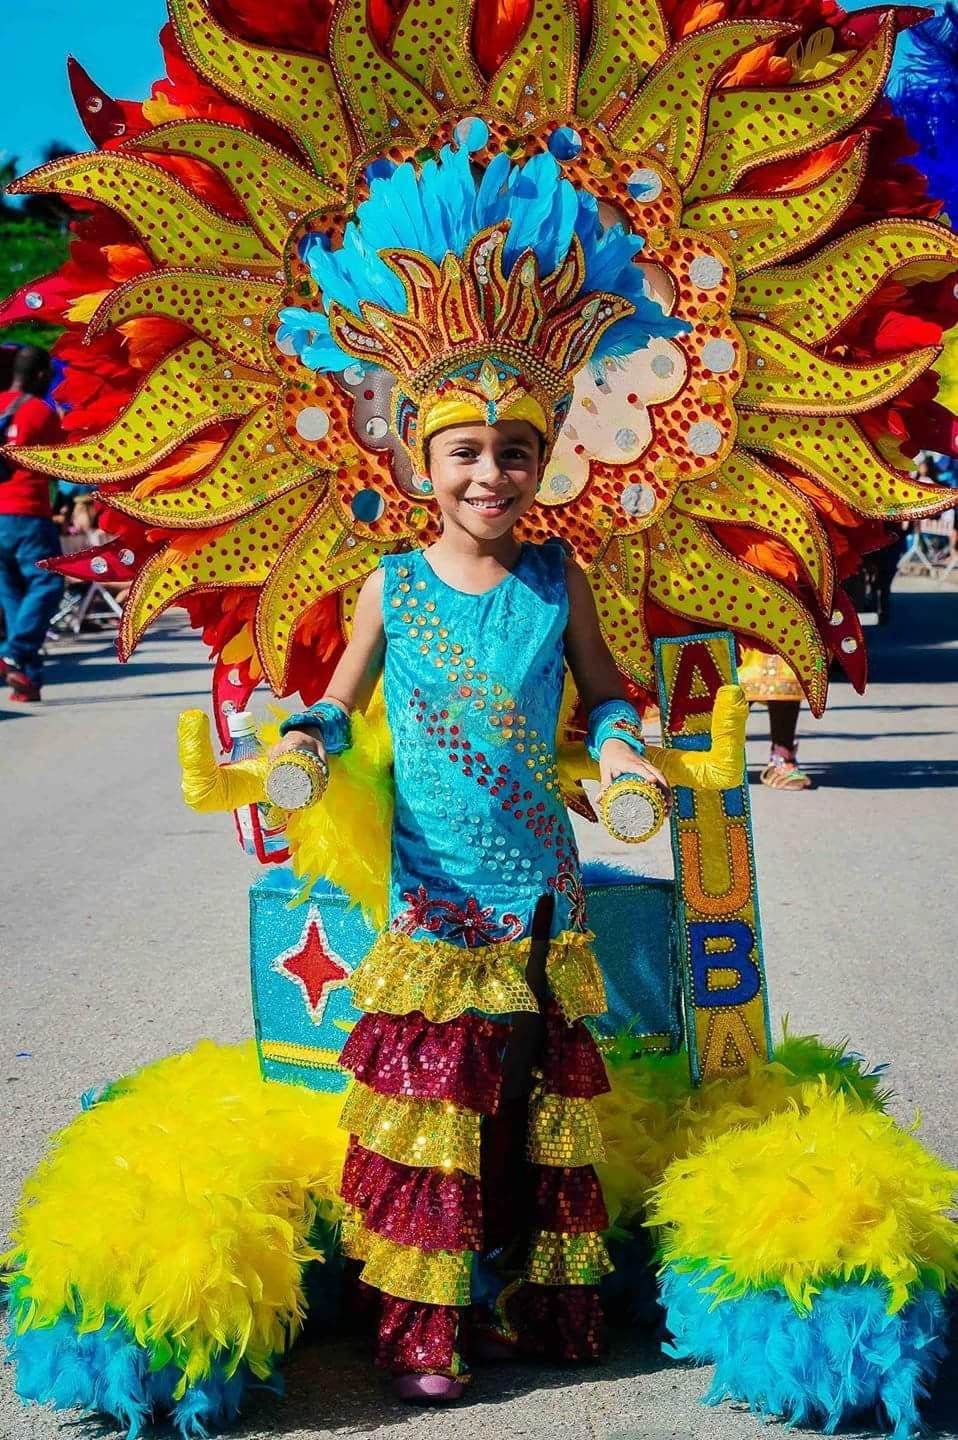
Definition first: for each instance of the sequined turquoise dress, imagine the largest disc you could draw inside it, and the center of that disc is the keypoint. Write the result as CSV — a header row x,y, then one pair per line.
x,y
473,685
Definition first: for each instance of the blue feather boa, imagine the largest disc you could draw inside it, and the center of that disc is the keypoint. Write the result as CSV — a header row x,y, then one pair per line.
x,y
847,1357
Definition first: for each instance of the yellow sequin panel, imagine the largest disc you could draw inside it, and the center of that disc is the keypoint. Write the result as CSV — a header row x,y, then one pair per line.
x,y
563,1131
667,116
401,974
560,1259
434,1277
760,229
295,91
628,37
413,1132
274,188
748,128
431,43
189,389
251,469
784,375
354,1238
540,73
815,298
175,227
383,102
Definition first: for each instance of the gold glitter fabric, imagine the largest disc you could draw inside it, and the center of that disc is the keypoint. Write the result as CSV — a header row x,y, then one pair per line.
x,y
561,1259
442,980
354,1238
563,1131
414,1132
434,1277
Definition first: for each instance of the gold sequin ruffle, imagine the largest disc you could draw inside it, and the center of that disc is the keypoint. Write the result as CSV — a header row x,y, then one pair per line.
x,y
435,1277
400,974
563,1131
558,1259
414,1132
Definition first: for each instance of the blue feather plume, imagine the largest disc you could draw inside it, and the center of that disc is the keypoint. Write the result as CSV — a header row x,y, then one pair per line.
x,y
925,94
848,1356
437,208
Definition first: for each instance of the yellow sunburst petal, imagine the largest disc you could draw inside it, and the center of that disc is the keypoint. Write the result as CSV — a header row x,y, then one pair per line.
x,y
82,311
834,452
295,91
427,46
188,390
252,471
618,577
667,117
757,230
628,37
383,103
746,128
745,492
785,376
691,575
173,226
540,73
275,190
244,557
197,456
223,309
814,298
316,562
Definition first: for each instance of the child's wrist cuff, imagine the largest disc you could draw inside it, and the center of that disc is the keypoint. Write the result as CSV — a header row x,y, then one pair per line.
x,y
614,720
332,723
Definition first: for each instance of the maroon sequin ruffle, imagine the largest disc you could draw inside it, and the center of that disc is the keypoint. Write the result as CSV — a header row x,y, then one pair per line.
x,y
416,1336
572,1065
410,1205
568,1199
458,1060
557,1322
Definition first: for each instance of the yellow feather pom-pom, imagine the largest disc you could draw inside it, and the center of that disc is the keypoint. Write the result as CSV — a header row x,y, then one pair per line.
x,y
652,1115
825,1190
183,1203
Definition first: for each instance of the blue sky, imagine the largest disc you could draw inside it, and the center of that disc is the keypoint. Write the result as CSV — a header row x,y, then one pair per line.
x,y
115,40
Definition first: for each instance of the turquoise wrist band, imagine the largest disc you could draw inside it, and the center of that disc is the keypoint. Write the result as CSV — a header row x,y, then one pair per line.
x,y
329,719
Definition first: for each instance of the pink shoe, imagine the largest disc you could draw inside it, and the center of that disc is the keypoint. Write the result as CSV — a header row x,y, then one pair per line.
x,y
427,1389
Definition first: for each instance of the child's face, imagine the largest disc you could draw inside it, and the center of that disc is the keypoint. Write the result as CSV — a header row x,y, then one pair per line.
x,y
485,476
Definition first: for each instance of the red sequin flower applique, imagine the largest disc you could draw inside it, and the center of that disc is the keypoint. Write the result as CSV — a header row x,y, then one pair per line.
x,y
469,923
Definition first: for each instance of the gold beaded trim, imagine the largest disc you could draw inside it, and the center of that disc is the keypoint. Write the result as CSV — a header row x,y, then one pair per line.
x,y
435,1277
400,974
563,1131
413,1132
559,1259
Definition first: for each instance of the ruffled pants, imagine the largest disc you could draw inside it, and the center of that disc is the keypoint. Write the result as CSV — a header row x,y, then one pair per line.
x,y
472,1197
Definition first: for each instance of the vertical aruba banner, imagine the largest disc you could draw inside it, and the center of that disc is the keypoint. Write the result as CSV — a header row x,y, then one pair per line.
x,y
719,930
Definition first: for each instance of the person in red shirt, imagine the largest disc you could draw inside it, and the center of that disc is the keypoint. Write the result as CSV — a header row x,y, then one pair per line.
x,y
29,596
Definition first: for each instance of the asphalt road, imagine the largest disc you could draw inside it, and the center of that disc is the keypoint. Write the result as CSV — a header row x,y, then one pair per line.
x,y
123,936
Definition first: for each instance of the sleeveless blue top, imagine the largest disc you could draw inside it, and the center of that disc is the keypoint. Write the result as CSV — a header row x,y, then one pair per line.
x,y
473,685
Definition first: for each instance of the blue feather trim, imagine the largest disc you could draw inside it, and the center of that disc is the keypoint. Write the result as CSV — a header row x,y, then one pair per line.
x,y
106,1372
846,1357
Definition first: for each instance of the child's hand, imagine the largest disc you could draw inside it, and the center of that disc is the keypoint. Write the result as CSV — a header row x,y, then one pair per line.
x,y
299,740
616,758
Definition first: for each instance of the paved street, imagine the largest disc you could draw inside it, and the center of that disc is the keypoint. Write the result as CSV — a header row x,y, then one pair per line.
x,y
123,935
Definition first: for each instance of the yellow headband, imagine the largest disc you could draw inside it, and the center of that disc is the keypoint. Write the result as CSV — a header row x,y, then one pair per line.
x,y
459,411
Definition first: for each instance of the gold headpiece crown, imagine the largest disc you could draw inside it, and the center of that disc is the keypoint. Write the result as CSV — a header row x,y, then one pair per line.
x,y
473,335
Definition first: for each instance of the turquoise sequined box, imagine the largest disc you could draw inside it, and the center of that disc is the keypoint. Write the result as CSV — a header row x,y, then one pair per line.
x,y
302,959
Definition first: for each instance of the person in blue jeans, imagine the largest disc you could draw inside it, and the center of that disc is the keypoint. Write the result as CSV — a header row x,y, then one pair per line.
x,y
29,596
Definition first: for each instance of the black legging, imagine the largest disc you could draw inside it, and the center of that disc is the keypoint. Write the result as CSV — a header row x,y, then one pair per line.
x,y
783,722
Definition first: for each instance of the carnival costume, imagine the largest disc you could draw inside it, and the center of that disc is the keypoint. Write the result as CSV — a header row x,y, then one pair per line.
x,y
681,243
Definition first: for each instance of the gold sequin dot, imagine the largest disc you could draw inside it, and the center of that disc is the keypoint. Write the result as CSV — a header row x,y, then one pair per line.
x,y
402,571
442,647
521,750
412,600
420,584
395,602
413,632
404,588
456,649
430,604
479,705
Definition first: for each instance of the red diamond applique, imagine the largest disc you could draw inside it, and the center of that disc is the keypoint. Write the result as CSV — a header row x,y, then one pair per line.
x,y
314,966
